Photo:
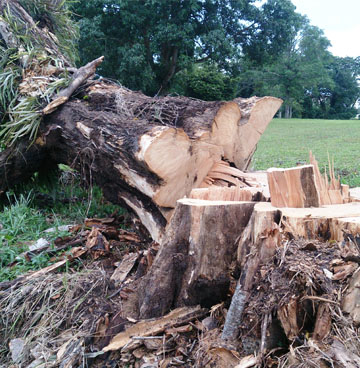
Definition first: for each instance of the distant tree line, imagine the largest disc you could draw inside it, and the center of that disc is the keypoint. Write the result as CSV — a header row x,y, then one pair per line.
x,y
218,50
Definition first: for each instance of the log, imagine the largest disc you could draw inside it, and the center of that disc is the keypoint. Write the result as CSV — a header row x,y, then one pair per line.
x,y
194,261
233,193
293,187
325,223
331,222
304,186
140,159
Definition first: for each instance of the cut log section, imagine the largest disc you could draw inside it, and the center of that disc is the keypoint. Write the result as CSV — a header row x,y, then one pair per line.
x,y
193,263
304,186
294,187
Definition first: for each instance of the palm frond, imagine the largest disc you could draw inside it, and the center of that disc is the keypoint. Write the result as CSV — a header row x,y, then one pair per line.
x,y
24,119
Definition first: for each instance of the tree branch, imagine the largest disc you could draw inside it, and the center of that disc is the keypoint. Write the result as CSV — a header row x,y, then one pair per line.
x,y
79,77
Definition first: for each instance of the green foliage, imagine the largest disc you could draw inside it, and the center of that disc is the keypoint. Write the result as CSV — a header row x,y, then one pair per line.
x,y
146,44
20,223
312,82
287,142
209,84
22,97
278,28
346,92
57,18
9,80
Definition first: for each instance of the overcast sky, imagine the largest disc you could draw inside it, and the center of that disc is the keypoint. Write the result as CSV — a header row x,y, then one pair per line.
x,y
340,21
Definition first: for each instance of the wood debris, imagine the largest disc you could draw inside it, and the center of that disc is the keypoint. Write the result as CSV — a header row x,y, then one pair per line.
x,y
134,335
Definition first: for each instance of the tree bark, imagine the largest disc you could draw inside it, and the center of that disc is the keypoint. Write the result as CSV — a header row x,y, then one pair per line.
x,y
144,152
257,244
193,263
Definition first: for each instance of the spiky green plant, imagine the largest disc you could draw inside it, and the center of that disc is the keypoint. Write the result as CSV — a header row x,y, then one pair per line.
x,y
21,103
56,16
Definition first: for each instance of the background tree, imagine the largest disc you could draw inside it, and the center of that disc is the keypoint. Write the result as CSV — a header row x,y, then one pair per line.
x,y
346,92
301,75
146,43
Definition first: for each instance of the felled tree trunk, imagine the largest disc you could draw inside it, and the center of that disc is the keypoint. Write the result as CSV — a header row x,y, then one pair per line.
x,y
146,152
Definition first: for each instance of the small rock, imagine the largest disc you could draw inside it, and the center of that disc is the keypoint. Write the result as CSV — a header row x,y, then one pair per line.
x,y
209,323
18,350
40,243
58,228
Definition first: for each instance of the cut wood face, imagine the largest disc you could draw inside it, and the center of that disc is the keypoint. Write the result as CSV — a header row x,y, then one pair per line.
x,y
250,131
239,125
225,128
182,163
170,154
293,187
233,193
327,222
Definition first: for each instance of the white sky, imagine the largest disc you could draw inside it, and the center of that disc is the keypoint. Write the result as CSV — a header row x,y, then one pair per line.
x,y
340,21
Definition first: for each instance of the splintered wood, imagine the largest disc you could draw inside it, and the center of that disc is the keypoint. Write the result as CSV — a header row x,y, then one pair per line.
x,y
223,175
226,183
329,192
304,186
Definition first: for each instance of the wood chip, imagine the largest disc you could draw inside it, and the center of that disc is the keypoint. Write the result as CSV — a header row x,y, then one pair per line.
x,y
124,268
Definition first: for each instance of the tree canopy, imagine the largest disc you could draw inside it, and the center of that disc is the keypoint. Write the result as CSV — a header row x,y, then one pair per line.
x,y
161,38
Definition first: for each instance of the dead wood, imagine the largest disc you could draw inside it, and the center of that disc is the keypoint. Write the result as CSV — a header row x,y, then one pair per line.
x,y
193,263
258,244
145,153
78,78
350,302
304,186
294,187
134,334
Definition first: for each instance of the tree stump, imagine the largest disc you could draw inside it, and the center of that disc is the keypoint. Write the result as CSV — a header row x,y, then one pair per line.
x,y
193,263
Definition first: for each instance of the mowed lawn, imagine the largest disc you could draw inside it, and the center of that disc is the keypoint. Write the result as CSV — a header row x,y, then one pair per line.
x,y
287,142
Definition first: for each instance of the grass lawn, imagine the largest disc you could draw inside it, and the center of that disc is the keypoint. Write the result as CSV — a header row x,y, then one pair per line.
x,y
286,143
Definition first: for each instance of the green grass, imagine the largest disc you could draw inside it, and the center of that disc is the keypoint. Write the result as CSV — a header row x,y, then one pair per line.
x,y
287,142
24,219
